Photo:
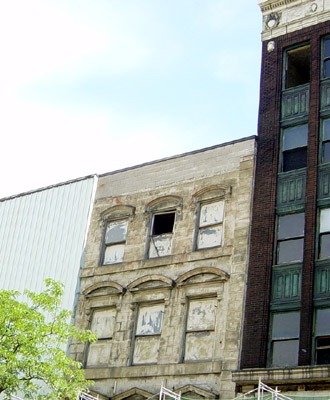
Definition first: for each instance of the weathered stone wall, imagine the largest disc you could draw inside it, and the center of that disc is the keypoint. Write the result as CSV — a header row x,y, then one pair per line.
x,y
192,298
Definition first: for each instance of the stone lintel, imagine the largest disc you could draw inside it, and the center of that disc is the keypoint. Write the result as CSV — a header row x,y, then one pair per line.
x,y
144,371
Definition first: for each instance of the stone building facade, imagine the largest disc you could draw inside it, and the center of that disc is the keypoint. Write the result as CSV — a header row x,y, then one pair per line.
x,y
164,275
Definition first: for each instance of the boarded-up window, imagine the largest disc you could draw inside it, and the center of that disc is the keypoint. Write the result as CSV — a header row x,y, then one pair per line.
x,y
114,242
147,334
103,326
200,329
210,225
161,235
324,239
285,339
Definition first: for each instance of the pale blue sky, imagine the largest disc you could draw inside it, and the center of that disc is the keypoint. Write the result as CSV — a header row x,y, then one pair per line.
x,y
91,86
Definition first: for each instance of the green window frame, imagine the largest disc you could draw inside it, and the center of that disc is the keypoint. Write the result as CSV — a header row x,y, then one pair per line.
x,y
296,66
324,233
325,141
294,147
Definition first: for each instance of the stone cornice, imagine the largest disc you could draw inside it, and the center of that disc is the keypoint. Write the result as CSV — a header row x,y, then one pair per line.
x,y
284,16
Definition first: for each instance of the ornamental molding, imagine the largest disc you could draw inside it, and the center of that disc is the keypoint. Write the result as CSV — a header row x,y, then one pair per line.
x,y
270,5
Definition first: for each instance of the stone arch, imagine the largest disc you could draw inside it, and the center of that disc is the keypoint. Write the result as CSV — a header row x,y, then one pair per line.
x,y
152,281
103,288
211,273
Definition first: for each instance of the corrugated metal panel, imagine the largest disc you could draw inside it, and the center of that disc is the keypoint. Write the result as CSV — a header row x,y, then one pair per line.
x,y
42,235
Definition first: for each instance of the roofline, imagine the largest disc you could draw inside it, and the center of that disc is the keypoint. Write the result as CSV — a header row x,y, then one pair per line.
x,y
178,156
48,187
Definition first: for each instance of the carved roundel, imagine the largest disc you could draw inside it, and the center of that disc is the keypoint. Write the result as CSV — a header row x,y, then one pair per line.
x,y
272,20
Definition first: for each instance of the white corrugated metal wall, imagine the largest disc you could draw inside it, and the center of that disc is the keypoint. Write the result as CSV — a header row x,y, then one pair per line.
x,y
42,235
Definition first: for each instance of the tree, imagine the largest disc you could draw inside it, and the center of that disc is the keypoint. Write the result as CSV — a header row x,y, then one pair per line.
x,y
33,334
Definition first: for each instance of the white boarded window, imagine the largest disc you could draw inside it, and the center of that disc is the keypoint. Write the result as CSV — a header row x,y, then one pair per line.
x,y
103,325
114,241
210,227
147,334
200,328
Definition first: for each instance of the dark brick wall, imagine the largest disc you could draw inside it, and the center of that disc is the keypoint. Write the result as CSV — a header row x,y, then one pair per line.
x,y
256,319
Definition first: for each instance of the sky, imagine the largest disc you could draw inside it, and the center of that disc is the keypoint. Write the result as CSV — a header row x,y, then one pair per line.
x,y
93,86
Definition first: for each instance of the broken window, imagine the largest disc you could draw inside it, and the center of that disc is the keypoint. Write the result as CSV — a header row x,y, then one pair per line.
x,y
290,238
285,339
114,241
324,236
200,329
322,336
103,325
294,147
210,225
326,141
297,66
161,235
147,334
326,58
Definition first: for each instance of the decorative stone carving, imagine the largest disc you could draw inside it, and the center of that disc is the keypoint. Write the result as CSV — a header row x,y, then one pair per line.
x,y
270,46
272,20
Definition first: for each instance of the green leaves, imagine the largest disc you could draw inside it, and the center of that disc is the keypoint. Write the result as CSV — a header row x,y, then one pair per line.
x,y
33,335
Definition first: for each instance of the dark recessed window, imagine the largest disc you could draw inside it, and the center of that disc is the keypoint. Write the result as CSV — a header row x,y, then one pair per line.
x,y
163,223
322,337
290,238
297,71
294,148
285,339
326,58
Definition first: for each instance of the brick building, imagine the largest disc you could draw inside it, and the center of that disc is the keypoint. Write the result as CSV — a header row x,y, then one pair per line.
x,y
165,272
287,317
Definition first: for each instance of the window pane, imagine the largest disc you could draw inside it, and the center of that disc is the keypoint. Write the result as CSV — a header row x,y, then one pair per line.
x,y
103,323
150,320
326,152
323,356
326,48
160,246
211,213
285,353
291,226
99,353
294,159
201,314
290,250
114,254
116,232
146,350
326,69
323,322
286,325
295,137
209,237
325,220
325,246
199,346
326,129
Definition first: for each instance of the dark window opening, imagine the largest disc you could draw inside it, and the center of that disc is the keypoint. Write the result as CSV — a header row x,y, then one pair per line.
x,y
326,58
324,245
322,336
297,67
326,140
163,223
294,159
326,152
323,350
